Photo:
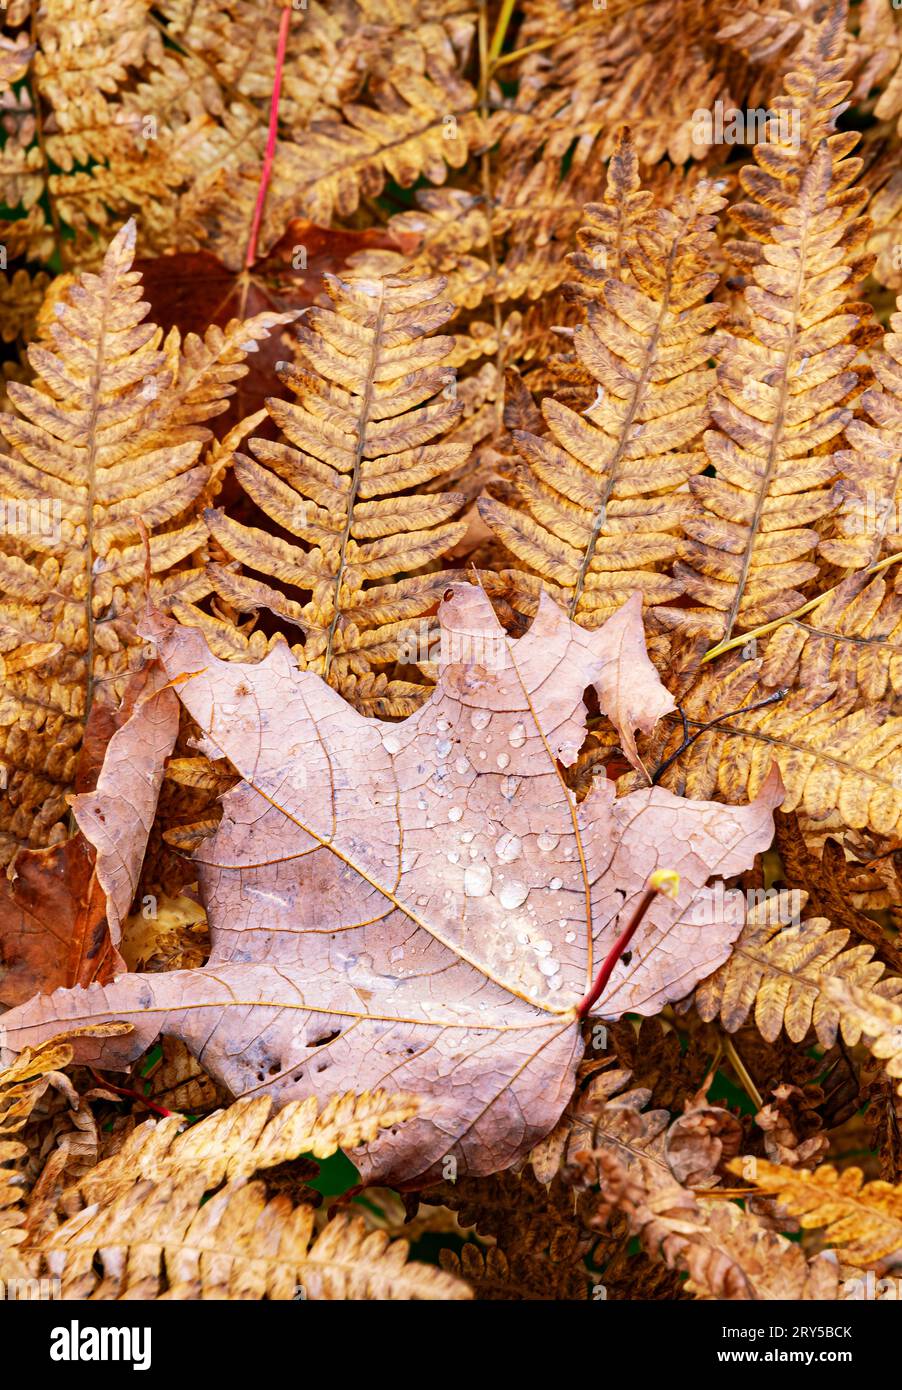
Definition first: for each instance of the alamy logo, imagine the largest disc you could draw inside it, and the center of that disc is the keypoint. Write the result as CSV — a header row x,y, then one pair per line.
x,y
721,125
427,643
77,1343
28,1290
35,516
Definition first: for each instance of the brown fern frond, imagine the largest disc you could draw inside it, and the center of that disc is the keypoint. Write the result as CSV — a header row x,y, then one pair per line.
x,y
21,296
603,495
726,1253
784,378
780,968
346,483
108,440
647,65
22,1085
832,882
538,1248
159,1239
609,228
868,522
863,1218
239,1141
851,640
523,1275
834,752
876,1017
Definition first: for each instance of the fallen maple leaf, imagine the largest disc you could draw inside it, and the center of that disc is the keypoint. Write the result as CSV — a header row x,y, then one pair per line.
x,y
117,815
423,905
61,908
53,929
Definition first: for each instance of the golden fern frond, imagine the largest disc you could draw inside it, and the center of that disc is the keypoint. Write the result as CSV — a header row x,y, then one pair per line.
x,y
439,237
863,1218
124,106
21,296
834,752
876,1017
648,65
603,497
240,1141
346,482
28,1076
781,968
108,440
158,1239
784,377
22,1084
885,211
609,228
509,245
604,1115
727,1253
868,522
851,639
415,117
71,156
767,32
423,119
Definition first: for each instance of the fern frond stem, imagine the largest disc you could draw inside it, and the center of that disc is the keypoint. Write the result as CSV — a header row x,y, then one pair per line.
x,y
777,434
639,389
91,433
726,1193
616,951
362,423
765,628
271,138
502,58
712,1068
739,1067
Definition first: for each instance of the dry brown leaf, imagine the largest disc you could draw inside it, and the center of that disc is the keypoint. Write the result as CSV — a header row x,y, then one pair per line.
x,y
423,905
116,817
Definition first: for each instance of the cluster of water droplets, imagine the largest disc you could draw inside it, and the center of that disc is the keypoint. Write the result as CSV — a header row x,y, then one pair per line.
x,y
490,865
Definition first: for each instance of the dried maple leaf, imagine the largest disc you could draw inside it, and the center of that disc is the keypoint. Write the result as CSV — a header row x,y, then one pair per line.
x,y
117,815
423,905
53,928
62,908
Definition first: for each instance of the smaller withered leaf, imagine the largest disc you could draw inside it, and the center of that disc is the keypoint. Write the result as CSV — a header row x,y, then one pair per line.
x,y
423,905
